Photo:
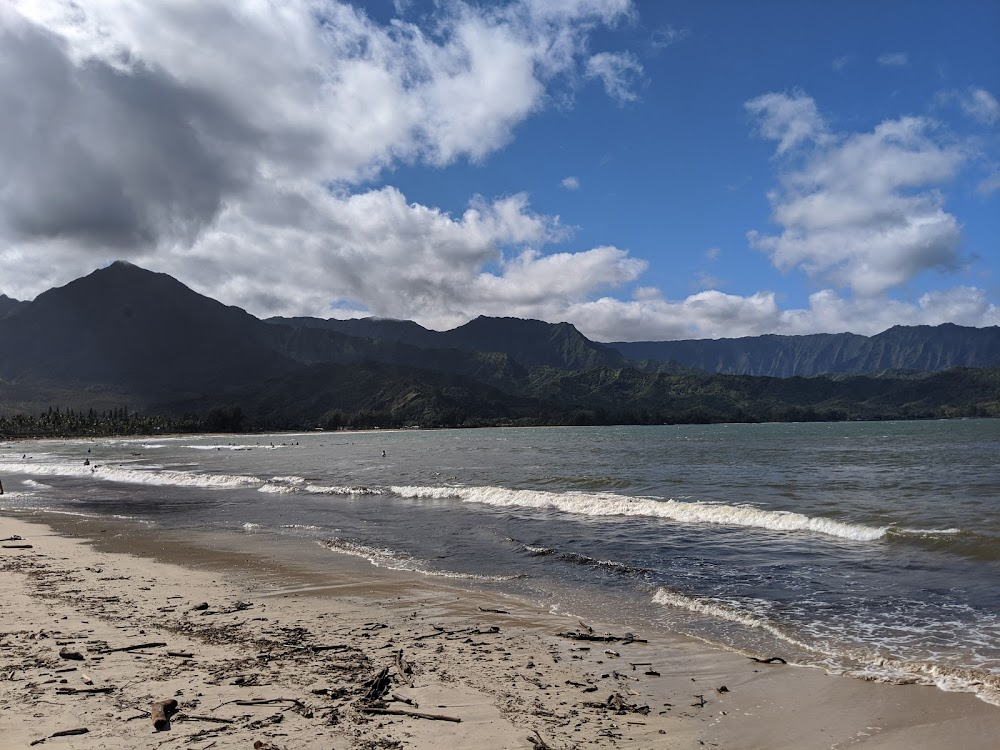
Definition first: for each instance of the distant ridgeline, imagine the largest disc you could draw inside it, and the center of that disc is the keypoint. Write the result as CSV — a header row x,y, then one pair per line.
x,y
125,350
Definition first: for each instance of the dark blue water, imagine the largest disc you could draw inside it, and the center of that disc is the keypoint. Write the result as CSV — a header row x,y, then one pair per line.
x,y
871,548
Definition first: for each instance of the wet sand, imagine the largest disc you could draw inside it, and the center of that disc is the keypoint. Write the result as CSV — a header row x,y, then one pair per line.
x,y
297,649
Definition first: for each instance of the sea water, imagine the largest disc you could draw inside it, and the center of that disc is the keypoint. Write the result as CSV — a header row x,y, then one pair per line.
x,y
866,548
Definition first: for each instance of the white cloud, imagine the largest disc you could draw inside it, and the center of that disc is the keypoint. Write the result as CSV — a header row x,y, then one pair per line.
x,y
620,72
864,209
840,63
713,314
789,119
668,36
190,132
713,253
981,105
570,183
991,183
894,59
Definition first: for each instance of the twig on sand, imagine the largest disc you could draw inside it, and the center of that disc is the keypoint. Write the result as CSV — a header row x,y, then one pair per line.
x,y
414,714
537,743
62,733
134,647
770,660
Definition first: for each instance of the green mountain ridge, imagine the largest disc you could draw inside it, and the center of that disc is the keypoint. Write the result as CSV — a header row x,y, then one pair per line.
x,y
124,341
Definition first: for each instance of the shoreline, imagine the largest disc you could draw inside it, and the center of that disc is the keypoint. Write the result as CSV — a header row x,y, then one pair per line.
x,y
506,674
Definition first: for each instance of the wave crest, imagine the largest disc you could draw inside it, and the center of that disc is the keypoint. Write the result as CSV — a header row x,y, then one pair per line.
x,y
609,504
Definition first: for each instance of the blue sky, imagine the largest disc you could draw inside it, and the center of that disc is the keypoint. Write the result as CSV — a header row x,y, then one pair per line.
x,y
644,170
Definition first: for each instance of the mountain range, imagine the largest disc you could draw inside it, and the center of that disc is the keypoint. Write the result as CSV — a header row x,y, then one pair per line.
x,y
125,336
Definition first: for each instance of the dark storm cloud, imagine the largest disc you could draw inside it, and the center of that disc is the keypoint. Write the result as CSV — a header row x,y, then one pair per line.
x,y
108,156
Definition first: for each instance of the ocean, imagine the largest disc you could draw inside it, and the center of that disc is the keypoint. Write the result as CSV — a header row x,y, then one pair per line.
x,y
871,549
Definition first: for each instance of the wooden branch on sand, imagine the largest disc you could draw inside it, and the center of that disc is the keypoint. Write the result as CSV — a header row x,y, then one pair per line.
x,y
771,660
576,635
401,712
160,713
62,733
134,647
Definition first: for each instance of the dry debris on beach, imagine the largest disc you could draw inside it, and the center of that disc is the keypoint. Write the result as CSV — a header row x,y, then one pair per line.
x,y
100,649
117,651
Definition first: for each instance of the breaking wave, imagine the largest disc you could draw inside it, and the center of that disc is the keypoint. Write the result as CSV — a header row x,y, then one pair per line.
x,y
356,490
608,504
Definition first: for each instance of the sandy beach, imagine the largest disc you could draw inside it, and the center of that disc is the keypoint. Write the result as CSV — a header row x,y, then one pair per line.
x,y
103,625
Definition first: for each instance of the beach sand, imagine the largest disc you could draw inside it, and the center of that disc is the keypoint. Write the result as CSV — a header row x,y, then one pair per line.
x,y
98,622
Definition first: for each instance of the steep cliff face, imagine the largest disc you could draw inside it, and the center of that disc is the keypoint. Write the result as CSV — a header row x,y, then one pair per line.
x,y
921,348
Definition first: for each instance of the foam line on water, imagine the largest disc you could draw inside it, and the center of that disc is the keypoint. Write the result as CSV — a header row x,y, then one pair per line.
x,y
382,557
134,475
609,504
872,668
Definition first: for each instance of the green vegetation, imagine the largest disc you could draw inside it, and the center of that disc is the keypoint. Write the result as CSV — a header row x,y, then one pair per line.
x,y
373,395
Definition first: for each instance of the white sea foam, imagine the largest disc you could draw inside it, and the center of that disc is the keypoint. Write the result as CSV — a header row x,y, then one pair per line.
x,y
317,489
251,527
392,560
722,611
608,504
873,668
38,485
220,447
133,475
276,489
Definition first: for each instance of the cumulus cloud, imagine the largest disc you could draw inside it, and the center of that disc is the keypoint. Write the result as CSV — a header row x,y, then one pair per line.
x,y
981,105
570,183
619,72
714,314
863,210
185,133
791,119
209,139
894,59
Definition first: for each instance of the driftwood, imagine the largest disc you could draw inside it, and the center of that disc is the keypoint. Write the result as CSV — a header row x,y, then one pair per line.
x,y
472,631
180,654
407,701
404,669
87,690
494,611
214,719
17,546
701,702
770,660
336,647
379,686
62,733
537,743
577,635
134,647
616,702
14,538
160,713
414,714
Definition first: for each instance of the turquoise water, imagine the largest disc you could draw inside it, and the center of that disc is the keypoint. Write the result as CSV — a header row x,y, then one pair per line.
x,y
869,548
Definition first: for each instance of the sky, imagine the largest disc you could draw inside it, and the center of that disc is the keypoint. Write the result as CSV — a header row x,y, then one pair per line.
x,y
643,169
